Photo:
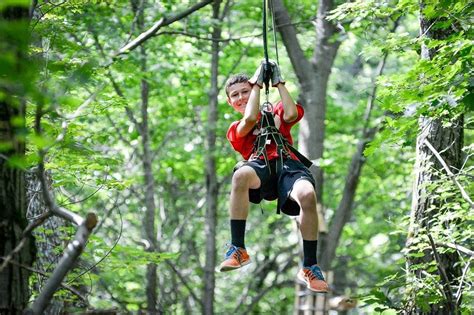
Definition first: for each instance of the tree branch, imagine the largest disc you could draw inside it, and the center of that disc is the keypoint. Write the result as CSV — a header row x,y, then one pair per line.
x,y
24,238
344,209
197,36
151,31
300,63
459,248
461,282
450,174
185,283
75,247
44,274
442,273
76,114
261,294
72,252
116,87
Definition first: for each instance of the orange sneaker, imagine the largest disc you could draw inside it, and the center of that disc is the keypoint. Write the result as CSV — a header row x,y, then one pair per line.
x,y
313,278
235,258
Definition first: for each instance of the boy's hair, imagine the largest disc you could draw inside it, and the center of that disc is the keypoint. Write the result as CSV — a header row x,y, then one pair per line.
x,y
234,79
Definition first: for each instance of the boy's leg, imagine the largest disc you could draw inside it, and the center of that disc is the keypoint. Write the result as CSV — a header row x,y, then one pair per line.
x,y
303,193
244,178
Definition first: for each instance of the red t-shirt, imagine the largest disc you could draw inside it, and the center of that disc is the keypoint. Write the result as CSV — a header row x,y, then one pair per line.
x,y
244,145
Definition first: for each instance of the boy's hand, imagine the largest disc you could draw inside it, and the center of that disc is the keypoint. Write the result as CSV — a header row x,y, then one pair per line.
x,y
257,77
276,74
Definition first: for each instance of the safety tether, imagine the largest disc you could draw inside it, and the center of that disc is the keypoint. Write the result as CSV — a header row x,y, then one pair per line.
x,y
266,125
267,70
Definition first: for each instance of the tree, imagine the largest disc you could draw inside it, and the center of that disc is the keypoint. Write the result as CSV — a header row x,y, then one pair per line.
x,y
108,69
439,141
47,239
313,76
212,189
14,38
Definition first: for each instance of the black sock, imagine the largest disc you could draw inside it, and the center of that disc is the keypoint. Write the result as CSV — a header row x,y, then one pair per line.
x,y
237,230
310,249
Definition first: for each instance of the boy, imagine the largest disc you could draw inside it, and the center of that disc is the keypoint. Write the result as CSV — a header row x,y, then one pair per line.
x,y
290,181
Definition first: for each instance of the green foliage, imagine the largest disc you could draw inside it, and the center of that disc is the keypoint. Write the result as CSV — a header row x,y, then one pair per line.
x,y
439,88
96,160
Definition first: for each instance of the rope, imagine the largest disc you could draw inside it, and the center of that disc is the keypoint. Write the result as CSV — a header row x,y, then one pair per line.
x,y
266,69
274,31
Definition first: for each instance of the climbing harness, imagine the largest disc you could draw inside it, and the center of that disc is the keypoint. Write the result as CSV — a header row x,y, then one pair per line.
x,y
266,125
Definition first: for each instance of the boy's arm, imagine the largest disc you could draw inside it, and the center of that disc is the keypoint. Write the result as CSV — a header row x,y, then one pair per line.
x,y
251,112
290,112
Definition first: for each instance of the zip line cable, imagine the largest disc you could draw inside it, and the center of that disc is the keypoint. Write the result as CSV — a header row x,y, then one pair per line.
x,y
272,11
267,69
266,65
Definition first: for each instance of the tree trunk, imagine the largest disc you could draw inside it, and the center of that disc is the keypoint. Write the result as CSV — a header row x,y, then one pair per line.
x,y
211,177
426,205
14,36
49,239
344,210
149,182
313,76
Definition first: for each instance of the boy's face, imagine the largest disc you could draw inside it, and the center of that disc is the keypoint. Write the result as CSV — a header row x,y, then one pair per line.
x,y
239,95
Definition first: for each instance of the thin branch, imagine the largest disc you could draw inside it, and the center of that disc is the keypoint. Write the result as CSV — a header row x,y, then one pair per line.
x,y
458,293
261,274
234,66
107,212
345,207
442,272
116,87
134,22
76,245
123,304
185,282
450,174
54,6
225,40
24,236
71,254
159,24
44,274
117,130
106,254
226,10
459,248
262,293
140,39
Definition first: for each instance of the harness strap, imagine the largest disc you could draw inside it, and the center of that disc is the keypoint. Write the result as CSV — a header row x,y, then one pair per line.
x,y
268,131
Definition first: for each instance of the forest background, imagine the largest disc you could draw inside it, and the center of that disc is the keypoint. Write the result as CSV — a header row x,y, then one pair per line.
x,y
117,108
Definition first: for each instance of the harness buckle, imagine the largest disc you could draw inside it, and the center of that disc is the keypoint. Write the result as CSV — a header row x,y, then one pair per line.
x,y
267,107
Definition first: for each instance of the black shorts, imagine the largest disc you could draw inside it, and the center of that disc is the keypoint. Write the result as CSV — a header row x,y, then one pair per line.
x,y
278,184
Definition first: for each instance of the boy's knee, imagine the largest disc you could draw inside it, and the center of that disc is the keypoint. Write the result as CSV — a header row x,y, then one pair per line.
x,y
305,194
242,177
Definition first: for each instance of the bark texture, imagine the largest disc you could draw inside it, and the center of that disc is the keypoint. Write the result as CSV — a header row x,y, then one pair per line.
x,y
426,205
149,182
14,291
211,176
313,76
47,239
